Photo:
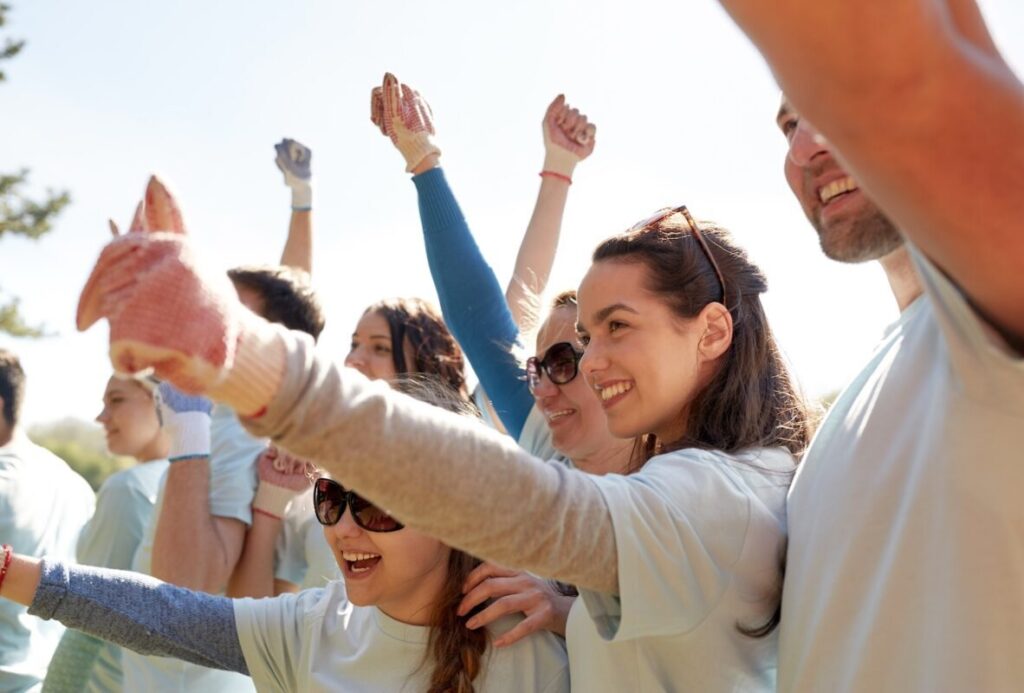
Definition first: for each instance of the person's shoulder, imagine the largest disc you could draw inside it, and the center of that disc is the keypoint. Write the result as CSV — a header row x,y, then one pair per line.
x,y
537,662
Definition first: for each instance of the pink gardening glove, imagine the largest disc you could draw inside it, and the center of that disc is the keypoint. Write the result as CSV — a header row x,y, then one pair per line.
x,y
568,137
167,315
405,117
282,478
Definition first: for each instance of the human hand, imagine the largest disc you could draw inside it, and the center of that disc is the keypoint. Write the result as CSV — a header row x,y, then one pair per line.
x,y
514,591
186,419
282,477
294,159
167,315
569,137
405,117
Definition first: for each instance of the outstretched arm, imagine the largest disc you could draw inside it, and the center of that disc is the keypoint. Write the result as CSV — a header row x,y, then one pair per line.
x,y
131,610
928,117
295,161
568,139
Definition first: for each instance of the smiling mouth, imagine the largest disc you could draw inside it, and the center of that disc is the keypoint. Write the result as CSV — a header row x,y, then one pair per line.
x,y
560,414
360,562
838,187
619,388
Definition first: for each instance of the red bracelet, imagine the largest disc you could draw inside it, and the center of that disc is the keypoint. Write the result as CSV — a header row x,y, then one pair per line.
x,y
8,555
556,174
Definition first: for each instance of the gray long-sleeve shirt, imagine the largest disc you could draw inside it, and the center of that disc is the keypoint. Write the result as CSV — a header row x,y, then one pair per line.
x,y
141,613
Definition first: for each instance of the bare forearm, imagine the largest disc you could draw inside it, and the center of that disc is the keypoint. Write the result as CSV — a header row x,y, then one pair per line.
x,y
254,574
298,248
188,549
537,253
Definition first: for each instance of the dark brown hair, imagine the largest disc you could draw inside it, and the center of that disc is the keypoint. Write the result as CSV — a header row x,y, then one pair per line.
x,y
434,349
752,401
12,386
288,297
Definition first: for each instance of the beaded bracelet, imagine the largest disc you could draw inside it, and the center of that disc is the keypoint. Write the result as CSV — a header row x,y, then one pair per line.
x,y
8,555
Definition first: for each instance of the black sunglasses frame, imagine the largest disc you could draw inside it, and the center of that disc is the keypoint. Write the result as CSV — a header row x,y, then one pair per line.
x,y
351,500
535,366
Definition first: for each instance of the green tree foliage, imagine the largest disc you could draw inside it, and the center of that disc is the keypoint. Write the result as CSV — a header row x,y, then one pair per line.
x,y
82,446
20,214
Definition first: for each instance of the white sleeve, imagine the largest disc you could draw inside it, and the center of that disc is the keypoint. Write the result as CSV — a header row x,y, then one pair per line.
x,y
680,524
982,360
273,633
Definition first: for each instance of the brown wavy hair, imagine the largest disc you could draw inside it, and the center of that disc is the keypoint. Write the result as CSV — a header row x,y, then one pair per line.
x,y
434,350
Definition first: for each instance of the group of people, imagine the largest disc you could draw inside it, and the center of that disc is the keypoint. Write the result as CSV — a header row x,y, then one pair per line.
x,y
646,502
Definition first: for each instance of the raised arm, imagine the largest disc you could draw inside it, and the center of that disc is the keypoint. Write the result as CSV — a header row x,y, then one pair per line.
x,y
192,547
471,299
295,161
568,139
128,609
928,117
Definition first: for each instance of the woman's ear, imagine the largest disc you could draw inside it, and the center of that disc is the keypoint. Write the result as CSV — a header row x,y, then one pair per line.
x,y
717,336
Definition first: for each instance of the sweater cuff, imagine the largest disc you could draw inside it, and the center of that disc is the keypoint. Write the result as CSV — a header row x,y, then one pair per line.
x,y
53,586
438,207
257,370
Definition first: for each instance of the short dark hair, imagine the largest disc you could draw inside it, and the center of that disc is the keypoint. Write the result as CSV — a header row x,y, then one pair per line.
x,y
288,297
12,386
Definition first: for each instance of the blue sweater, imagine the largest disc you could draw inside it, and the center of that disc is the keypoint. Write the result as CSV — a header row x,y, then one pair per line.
x,y
472,301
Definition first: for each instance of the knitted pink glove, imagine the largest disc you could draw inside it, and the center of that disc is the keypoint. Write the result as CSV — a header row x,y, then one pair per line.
x,y
404,116
282,478
167,315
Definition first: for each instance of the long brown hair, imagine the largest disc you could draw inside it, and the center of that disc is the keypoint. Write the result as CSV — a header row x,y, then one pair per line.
x,y
751,401
434,350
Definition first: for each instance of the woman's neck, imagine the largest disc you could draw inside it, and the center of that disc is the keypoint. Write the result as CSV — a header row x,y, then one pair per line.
x,y
613,458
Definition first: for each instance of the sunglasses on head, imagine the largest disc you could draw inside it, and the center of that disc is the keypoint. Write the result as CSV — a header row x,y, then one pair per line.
x,y
663,214
331,498
560,362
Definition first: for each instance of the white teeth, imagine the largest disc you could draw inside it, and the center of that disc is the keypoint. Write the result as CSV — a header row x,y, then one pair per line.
x,y
836,188
558,414
351,556
612,390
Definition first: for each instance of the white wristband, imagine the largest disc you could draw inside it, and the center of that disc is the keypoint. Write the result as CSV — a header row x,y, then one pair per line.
x,y
272,499
302,195
189,432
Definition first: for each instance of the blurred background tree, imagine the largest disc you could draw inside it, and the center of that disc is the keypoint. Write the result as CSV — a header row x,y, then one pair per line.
x,y
82,445
19,213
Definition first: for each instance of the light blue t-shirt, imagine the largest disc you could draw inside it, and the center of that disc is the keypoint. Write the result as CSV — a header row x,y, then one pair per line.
x,y
233,455
124,506
43,506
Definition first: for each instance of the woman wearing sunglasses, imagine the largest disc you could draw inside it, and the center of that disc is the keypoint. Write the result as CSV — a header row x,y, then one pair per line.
x,y
544,406
395,339
547,418
678,564
392,625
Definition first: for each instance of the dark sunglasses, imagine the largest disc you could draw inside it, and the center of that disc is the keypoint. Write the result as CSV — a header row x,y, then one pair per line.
x,y
331,498
663,214
561,363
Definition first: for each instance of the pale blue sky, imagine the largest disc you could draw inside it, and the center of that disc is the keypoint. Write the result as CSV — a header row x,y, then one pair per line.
x,y
108,91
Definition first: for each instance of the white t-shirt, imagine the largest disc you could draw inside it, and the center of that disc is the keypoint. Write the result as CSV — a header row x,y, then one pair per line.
x,y
43,506
302,554
906,556
233,455
316,641
700,538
